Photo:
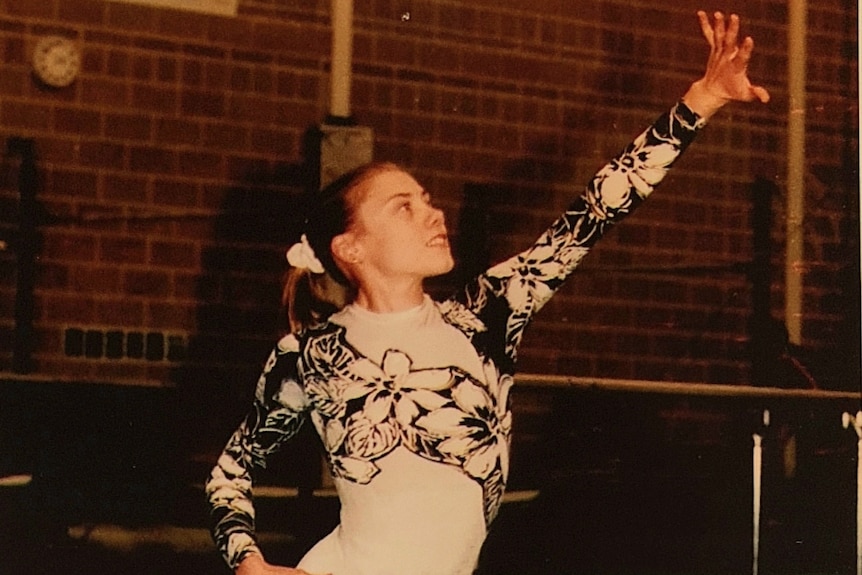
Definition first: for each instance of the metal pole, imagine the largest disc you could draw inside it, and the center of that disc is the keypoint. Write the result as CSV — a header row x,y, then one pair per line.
x,y
795,256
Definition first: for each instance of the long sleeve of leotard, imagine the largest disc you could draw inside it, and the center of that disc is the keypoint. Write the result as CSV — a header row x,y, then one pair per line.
x,y
507,295
278,411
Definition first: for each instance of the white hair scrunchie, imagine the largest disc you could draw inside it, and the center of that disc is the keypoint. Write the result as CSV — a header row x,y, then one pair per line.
x,y
301,255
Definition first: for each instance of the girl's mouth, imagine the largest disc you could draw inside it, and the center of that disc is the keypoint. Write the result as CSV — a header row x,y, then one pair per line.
x,y
440,240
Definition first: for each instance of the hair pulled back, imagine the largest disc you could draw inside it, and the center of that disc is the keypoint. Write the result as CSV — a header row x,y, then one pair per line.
x,y
310,298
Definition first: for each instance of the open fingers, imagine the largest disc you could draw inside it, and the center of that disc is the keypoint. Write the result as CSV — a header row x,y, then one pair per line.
x,y
719,30
706,28
732,33
745,51
760,93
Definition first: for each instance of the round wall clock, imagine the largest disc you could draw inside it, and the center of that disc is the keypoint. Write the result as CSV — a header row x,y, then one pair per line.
x,y
56,61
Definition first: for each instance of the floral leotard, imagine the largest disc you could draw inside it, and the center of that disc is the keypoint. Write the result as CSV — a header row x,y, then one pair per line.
x,y
413,407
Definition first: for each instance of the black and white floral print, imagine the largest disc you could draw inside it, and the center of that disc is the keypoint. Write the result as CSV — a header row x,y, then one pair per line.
x,y
363,410
277,414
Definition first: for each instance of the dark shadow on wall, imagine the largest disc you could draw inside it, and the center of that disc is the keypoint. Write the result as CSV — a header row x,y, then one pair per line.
x,y
239,317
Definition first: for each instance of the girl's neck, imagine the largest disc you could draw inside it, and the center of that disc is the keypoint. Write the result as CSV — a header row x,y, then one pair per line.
x,y
389,298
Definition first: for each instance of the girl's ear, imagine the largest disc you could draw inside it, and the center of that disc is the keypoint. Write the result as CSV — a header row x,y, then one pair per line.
x,y
344,249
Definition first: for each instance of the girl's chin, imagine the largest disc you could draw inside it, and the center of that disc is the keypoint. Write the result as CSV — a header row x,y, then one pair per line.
x,y
446,267
443,268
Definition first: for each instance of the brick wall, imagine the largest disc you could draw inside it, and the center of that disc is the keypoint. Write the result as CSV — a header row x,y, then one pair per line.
x,y
170,171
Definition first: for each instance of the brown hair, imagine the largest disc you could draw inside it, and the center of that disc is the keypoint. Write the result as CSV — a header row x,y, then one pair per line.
x,y
309,298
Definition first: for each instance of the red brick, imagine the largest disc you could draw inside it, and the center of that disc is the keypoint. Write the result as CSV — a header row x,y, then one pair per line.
x,y
247,169
174,130
309,87
201,164
281,143
209,104
118,63
96,280
42,9
185,286
128,126
90,12
251,108
64,308
23,115
396,50
49,276
217,75
241,78
77,121
155,226
152,159
286,36
174,193
183,24
182,316
119,311
133,17
142,67
167,69
94,60
458,133
235,32
14,82
414,126
224,136
69,247
174,254
57,150
74,183
264,81
124,188
120,250
109,93
14,51
154,98
147,283
192,72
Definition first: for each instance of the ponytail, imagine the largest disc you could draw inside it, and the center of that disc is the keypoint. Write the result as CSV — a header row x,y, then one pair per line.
x,y
309,299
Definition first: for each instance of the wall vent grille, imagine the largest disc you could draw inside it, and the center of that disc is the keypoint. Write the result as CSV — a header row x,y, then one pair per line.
x,y
117,344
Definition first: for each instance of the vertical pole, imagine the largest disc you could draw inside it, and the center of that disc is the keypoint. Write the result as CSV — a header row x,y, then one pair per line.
x,y
758,468
342,55
757,475
856,422
794,259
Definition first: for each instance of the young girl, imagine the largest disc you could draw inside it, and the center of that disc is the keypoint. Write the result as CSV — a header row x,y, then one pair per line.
x,y
410,396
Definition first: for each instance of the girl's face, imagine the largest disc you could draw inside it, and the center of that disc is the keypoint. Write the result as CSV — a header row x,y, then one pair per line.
x,y
396,232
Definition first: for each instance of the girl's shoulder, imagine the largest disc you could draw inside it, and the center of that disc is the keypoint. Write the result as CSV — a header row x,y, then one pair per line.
x,y
459,315
288,344
294,342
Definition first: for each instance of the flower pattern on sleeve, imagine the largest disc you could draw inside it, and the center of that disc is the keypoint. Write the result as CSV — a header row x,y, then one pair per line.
x,y
279,409
528,280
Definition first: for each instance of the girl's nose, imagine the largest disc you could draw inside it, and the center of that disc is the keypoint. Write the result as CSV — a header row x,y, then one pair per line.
x,y
437,217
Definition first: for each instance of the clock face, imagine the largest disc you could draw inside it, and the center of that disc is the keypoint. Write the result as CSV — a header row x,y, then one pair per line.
x,y
56,61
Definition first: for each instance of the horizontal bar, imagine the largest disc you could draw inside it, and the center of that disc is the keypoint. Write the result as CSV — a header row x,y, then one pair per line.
x,y
680,388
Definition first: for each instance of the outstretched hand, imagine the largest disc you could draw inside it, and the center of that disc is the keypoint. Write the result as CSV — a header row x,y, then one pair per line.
x,y
726,77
